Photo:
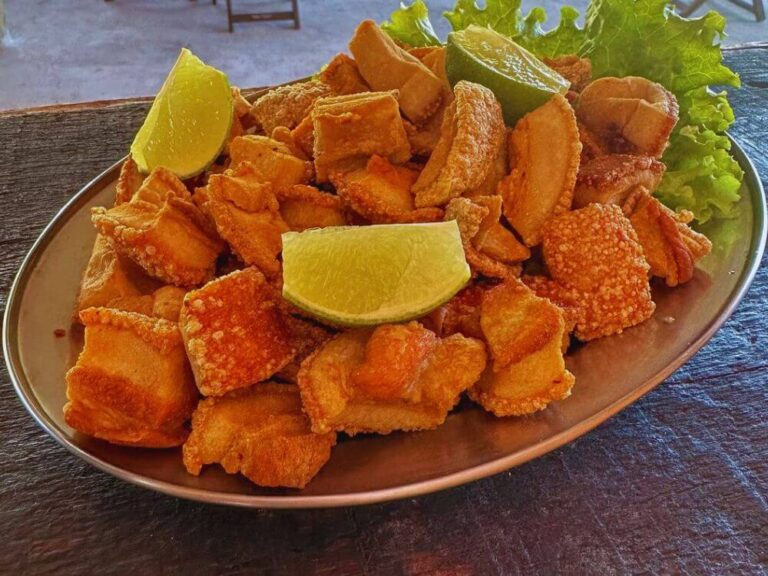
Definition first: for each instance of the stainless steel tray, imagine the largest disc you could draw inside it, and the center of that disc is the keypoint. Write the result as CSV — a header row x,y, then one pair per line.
x,y
610,374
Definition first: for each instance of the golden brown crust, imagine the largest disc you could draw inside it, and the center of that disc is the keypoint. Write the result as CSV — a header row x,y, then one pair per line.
x,y
259,432
609,179
471,133
132,383
633,110
348,130
342,76
245,212
287,105
661,236
594,256
270,160
304,207
128,182
109,276
386,66
544,168
234,333
334,402
155,224
381,193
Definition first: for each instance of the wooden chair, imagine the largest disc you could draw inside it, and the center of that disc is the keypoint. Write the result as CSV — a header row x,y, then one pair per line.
x,y
292,14
756,7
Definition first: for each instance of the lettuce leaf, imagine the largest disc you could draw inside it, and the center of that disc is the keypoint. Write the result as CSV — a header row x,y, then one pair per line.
x,y
647,38
630,37
411,25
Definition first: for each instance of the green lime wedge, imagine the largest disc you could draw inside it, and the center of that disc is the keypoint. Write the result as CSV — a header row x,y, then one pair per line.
x,y
366,275
520,81
189,121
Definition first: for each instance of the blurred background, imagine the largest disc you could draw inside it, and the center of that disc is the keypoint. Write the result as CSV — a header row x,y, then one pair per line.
x,y
60,51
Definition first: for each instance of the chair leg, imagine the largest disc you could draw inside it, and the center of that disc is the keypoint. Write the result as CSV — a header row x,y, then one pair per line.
x,y
213,2
759,10
229,16
297,19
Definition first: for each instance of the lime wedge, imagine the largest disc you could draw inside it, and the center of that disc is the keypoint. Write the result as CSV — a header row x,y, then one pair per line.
x,y
365,275
520,81
189,121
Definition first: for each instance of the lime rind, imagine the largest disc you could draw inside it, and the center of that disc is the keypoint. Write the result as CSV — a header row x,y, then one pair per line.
x,y
363,290
189,121
520,81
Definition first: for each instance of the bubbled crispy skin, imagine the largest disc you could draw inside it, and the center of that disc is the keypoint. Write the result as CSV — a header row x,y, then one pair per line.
x,y
460,315
342,76
132,383
471,133
386,66
663,238
287,105
381,193
334,402
259,432
245,212
348,130
128,182
544,168
611,178
594,256
162,231
305,207
524,334
272,161
234,333
639,112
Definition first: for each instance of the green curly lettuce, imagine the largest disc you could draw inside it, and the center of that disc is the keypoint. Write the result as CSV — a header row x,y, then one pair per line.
x,y
410,25
630,37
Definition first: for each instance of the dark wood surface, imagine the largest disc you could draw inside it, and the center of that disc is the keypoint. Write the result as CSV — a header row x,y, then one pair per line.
x,y
677,483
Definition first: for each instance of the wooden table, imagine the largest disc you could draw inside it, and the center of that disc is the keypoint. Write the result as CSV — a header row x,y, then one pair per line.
x,y
677,483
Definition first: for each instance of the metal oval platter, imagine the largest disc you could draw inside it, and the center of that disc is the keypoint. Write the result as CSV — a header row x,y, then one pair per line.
x,y
610,374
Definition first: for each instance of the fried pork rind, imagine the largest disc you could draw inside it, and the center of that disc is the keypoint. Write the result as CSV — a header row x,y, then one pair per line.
x,y
129,181
305,207
595,258
472,131
285,136
162,231
460,315
245,212
164,303
488,246
330,379
386,66
544,168
287,105
272,161
524,334
610,179
670,246
261,433
381,193
234,333
109,275
640,113
424,137
342,76
578,71
304,136
348,130
499,169
132,383
307,336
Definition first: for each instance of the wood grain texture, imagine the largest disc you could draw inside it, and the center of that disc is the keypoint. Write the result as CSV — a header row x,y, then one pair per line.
x,y
676,484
